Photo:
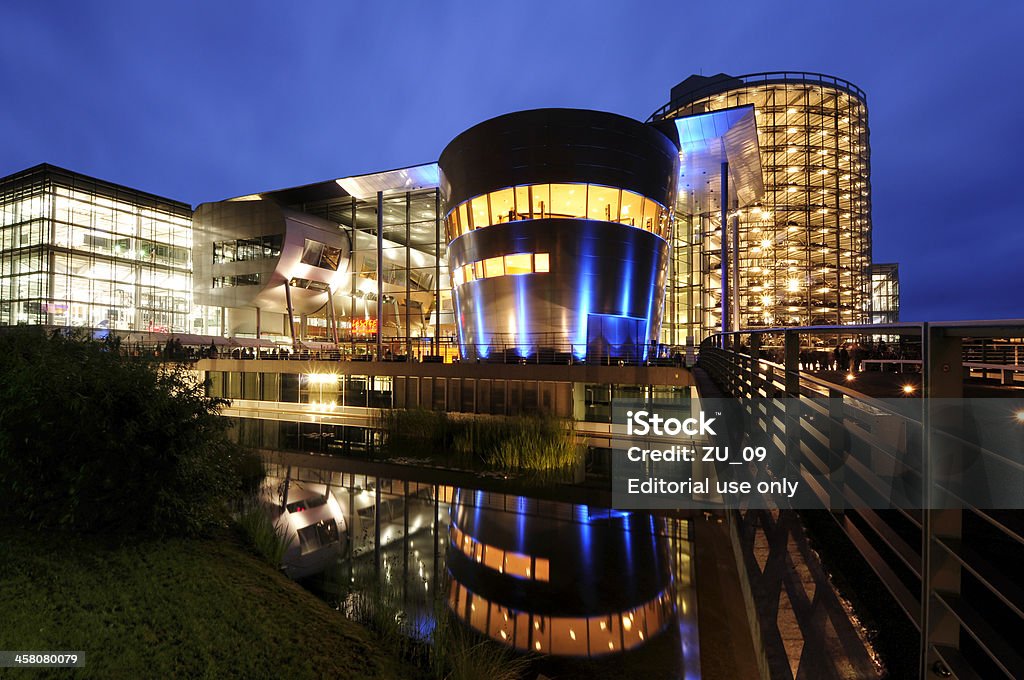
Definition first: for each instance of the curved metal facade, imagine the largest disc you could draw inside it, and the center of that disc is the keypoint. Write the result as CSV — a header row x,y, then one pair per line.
x,y
561,218
553,578
805,250
246,252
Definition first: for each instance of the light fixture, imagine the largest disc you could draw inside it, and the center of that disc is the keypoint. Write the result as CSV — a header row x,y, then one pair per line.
x,y
850,377
908,389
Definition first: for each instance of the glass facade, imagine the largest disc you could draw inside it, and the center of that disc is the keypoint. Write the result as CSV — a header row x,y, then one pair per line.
x,y
566,201
75,251
885,293
804,251
414,281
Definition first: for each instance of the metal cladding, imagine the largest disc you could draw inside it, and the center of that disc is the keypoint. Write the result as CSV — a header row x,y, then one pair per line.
x,y
245,252
596,285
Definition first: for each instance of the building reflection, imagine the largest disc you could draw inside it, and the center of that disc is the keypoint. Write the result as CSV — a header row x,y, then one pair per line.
x,y
560,579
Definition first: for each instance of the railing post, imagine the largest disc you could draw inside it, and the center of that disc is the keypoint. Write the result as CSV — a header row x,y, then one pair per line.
x,y
942,379
791,376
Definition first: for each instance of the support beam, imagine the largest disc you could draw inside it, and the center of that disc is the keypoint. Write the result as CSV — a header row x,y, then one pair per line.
x,y
723,201
437,271
291,315
380,275
408,284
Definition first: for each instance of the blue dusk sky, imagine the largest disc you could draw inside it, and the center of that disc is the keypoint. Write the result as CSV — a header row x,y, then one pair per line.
x,y
200,101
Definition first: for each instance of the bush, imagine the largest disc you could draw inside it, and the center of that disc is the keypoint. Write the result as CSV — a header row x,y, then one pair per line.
x,y
92,440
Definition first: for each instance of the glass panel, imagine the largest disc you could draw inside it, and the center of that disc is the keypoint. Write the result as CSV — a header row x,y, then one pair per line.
x,y
478,613
543,566
478,270
568,200
650,219
464,225
603,203
541,198
522,203
518,264
452,225
494,266
517,564
569,636
503,206
480,214
632,208
540,262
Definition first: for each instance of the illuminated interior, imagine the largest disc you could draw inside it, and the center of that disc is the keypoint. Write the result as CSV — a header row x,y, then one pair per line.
x,y
565,636
82,253
564,201
509,265
804,251
502,561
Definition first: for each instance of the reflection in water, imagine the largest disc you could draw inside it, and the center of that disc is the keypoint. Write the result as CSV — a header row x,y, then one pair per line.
x,y
555,578
592,591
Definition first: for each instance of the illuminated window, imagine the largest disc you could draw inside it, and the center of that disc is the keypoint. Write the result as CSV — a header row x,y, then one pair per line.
x,y
503,206
494,558
603,203
464,225
540,262
518,264
494,266
517,564
541,199
479,212
632,209
569,200
522,195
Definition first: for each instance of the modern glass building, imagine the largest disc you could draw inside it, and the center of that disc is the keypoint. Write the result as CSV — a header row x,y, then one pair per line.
x,y
885,293
78,251
805,249
555,233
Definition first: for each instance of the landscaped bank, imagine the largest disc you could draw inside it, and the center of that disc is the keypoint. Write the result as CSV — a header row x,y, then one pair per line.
x,y
178,607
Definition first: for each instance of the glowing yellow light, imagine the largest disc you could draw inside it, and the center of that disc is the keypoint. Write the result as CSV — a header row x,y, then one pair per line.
x,y
790,110
791,130
766,244
850,377
793,285
908,389
627,625
1019,416
504,635
572,634
611,645
536,645
603,626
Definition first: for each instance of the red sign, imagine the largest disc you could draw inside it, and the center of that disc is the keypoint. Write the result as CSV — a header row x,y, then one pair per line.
x,y
364,326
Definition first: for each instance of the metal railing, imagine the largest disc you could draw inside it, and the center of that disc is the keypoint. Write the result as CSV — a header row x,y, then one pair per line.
x,y
952,572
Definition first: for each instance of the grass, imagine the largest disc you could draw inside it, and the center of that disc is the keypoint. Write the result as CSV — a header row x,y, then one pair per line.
x,y
540,447
266,538
197,608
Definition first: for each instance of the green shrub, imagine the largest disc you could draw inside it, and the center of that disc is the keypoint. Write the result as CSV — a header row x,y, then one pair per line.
x,y
92,440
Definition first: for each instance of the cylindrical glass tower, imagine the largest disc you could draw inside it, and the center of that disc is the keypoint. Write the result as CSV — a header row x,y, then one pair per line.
x,y
804,252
